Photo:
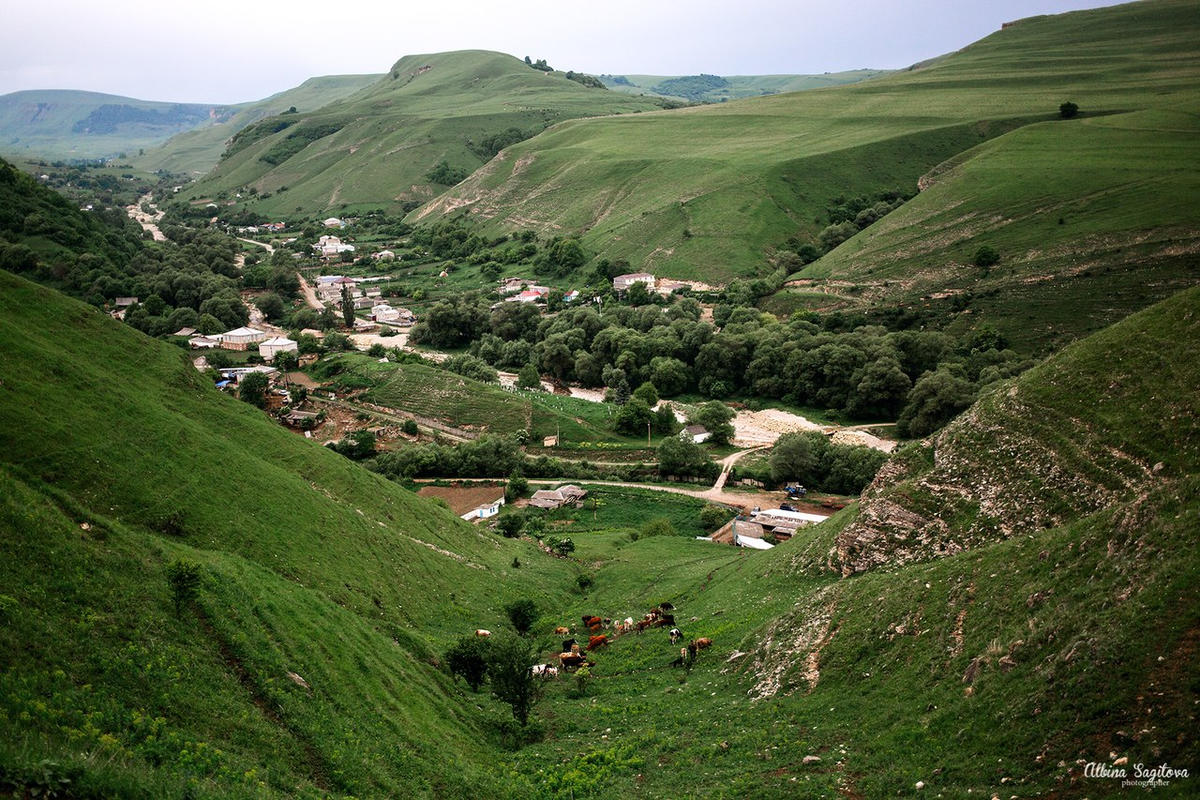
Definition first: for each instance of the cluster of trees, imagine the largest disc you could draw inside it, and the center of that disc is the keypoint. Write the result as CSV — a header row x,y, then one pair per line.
x,y
492,143
921,378
812,460
503,661
445,174
540,64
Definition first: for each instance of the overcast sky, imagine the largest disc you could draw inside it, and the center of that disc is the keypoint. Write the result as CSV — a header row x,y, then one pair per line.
x,y
233,51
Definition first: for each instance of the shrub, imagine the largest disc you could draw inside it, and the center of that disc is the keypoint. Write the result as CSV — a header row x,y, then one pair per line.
x,y
184,578
1068,110
522,614
468,659
509,661
986,257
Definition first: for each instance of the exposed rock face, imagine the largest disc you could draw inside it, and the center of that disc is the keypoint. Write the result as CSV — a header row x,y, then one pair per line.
x,y
1012,464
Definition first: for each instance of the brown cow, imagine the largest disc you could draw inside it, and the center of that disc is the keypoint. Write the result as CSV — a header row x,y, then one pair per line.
x,y
702,643
562,631
597,641
570,660
482,633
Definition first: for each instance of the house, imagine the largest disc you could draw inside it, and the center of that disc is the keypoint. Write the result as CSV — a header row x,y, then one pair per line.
x,y
241,338
784,524
622,282
571,296
269,348
527,296
468,502
185,332
330,246
384,255
203,342
236,374
697,434
382,312
556,498
300,418
741,532
361,303
334,222
550,441
512,285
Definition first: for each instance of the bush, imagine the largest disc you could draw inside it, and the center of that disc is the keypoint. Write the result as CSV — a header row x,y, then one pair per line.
x,y
658,527
1068,110
510,525
522,614
184,578
409,427
468,659
986,257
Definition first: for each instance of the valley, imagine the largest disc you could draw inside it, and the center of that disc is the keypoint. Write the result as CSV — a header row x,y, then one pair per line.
x,y
477,428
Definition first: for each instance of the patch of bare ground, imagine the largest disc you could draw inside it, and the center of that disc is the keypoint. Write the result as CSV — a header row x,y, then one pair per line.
x,y
789,656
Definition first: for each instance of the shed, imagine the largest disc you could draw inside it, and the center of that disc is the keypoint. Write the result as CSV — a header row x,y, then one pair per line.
x,y
695,433
468,502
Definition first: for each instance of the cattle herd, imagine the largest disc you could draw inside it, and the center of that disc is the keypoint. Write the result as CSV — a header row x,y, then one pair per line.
x,y
600,631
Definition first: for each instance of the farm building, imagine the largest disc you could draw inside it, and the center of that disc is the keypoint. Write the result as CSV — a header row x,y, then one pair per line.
x,y
468,502
695,433
241,338
556,498
269,348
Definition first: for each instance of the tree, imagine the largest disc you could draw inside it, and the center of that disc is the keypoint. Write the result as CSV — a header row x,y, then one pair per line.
x,y
715,416
713,517
518,486
468,659
522,614
409,427
986,256
509,665
271,305
647,394
936,398
184,578
633,417
347,308
252,388
510,525
658,527
679,457
1068,110
797,457
528,377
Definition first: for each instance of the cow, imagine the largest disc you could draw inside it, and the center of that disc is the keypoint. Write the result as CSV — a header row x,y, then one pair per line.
x,y
665,620
628,623
702,643
666,606
642,625
571,660
567,645
595,628
676,635
589,620
544,670
596,642
481,633
562,631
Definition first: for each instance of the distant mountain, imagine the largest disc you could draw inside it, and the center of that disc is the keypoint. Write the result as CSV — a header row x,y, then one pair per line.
x,y
719,89
197,151
75,124
381,146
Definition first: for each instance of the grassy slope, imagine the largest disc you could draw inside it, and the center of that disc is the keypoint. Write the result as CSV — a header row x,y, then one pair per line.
x,y
397,129
312,565
196,152
999,669
742,176
741,86
40,123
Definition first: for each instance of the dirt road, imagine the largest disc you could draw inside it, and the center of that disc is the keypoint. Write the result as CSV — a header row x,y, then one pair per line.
x,y
149,222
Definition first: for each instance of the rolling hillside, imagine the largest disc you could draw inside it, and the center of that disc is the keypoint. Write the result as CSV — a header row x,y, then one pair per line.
x,y
374,149
707,193
197,151
722,88
64,124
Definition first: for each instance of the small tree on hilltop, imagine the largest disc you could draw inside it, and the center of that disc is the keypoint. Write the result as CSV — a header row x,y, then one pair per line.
x,y
522,613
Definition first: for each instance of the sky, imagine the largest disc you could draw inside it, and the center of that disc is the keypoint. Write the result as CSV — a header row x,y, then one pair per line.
x,y
234,51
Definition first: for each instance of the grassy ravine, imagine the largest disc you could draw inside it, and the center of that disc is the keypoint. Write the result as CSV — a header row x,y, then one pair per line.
x,y
704,192
313,565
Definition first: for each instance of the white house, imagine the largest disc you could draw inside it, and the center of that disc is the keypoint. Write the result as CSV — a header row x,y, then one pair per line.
x,y
334,222
623,282
269,348
695,433
384,255
241,338
330,246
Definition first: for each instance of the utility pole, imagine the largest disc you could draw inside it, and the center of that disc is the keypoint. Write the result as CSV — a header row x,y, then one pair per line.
x,y
647,435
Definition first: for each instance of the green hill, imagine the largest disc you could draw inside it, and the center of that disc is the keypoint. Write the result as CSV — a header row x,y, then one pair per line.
x,y
68,124
375,148
119,458
709,193
197,151
722,88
